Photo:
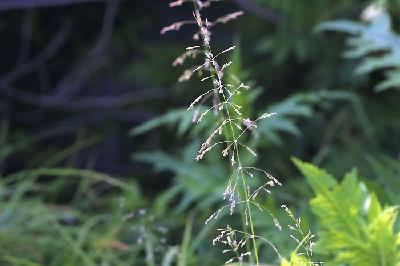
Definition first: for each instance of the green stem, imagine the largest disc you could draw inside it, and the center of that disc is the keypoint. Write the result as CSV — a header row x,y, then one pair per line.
x,y
248,207
244,184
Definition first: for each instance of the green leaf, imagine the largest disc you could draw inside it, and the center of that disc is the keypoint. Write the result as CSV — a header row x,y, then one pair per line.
x,y
375,208
180,116
354,226
296,260
341,25
319,179
301,106
366,41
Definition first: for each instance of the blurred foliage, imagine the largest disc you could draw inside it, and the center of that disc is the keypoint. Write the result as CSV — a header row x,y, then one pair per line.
x,y
377,36
77,189
296,260
294,36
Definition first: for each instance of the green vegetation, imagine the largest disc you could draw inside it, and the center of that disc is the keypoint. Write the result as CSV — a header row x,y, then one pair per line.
x,y
105,161
355,228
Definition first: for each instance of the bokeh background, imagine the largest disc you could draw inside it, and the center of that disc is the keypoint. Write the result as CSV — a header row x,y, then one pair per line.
x,y
86,179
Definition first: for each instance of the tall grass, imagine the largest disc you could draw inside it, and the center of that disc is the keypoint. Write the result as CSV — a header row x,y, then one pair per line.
x,y
230,137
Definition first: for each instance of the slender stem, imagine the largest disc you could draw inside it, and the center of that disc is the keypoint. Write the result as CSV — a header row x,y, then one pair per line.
x,y
244,183
216,78
239,163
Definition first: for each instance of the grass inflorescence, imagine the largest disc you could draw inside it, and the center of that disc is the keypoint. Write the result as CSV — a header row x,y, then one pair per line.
x,y
229,138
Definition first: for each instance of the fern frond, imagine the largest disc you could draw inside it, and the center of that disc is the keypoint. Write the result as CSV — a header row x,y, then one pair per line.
x,y
366,40
179,117
354,225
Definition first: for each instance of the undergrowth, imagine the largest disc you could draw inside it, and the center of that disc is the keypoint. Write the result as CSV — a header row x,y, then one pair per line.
x,y
59,204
